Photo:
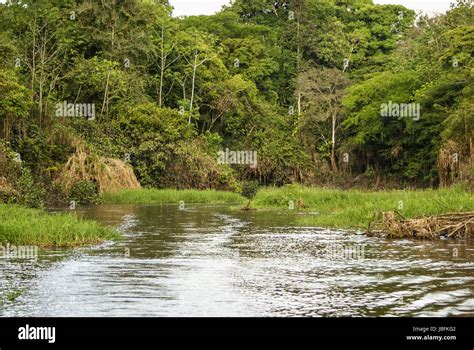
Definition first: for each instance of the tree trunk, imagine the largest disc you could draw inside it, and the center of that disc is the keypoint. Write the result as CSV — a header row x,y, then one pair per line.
x,y
333,146
193,85
162,70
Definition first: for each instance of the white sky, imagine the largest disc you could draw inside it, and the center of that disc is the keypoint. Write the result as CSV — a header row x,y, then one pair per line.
x,y
208,7
197,7
428,6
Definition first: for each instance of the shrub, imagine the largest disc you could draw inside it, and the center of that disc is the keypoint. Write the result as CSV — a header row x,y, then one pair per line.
x,y
30,194
249,189
84,192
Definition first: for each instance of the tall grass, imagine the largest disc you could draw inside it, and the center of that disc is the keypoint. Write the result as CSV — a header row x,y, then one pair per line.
x,y
155,196
354,208
24,226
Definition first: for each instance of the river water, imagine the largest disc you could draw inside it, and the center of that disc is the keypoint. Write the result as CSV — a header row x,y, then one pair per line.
x,y
215,261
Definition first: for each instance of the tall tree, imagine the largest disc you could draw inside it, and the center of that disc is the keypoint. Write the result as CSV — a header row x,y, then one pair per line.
x,y
322,92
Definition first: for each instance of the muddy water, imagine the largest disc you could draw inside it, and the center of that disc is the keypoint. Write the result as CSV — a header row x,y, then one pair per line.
x,y
214,261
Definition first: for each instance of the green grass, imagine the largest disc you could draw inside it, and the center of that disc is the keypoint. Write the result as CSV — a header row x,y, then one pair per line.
x,y
354,209
33,227
155,196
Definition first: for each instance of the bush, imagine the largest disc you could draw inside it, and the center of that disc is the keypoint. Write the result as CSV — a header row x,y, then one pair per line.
x,y
84,192
249,189
28,193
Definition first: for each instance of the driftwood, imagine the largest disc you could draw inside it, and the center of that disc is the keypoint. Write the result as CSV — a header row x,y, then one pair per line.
x,y
393,224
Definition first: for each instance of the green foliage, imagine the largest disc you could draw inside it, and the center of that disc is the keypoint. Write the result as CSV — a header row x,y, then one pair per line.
x,y
15,102
19,184
250,189
299,82
29,192
438,78
148,134
84,192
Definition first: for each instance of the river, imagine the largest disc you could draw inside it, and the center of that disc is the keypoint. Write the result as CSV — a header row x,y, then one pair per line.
x,y
216,261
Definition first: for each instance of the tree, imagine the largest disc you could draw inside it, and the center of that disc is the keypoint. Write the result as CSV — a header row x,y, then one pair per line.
x,y
322,91
163,53
15,103
197,50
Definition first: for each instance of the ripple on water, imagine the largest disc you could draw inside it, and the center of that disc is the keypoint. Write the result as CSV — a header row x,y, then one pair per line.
x,y
210,261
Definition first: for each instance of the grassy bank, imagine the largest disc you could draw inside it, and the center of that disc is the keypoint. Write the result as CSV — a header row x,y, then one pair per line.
x,y
33,227
155,196
324,207
354,209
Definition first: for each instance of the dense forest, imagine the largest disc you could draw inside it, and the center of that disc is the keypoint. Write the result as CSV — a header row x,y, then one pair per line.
x,y
96,95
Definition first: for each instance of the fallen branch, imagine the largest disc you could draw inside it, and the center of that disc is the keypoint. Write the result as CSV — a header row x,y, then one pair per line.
x,y
393,224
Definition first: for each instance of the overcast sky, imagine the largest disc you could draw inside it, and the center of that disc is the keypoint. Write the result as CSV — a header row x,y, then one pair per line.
x,y
207,7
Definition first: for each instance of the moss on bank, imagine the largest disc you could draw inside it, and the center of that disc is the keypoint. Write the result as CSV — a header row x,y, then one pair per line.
x,y
34,227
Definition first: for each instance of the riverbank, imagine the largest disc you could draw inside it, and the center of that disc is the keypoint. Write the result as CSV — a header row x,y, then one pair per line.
x,y
342,209
353,209
168,196
21,226
332,208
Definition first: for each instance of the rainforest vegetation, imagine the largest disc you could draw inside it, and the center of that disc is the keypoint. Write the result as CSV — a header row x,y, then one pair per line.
x,y
99,96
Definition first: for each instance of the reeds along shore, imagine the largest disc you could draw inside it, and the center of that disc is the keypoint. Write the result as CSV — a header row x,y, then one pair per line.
x,y
425,214
452,225
23,226
170,196
432,214
354,209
